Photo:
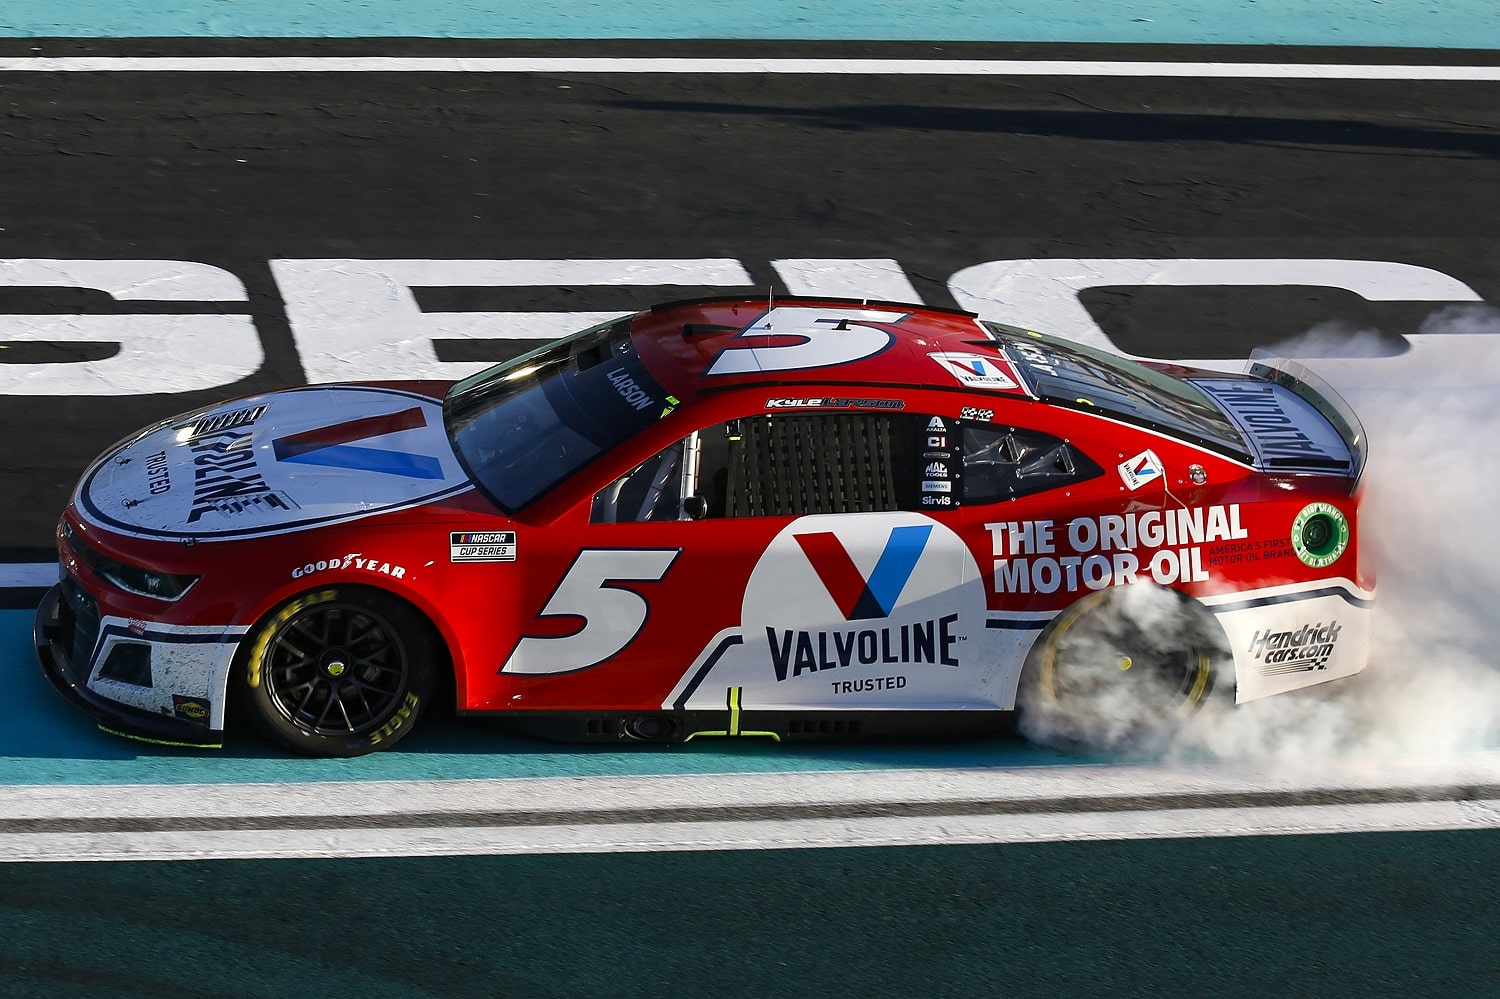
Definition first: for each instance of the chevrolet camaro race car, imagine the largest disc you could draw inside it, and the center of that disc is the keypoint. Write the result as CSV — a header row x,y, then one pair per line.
x,y
796,519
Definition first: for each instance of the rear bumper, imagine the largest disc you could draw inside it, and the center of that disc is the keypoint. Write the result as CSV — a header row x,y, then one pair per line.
x,y
57,631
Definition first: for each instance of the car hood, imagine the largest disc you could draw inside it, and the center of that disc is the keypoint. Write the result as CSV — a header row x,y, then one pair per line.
x,y
273,463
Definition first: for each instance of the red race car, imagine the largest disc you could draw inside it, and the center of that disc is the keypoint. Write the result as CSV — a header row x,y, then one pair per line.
x,y
797,519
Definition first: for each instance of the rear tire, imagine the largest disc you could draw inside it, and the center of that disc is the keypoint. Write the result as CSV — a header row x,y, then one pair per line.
x,y
1121,669
338,671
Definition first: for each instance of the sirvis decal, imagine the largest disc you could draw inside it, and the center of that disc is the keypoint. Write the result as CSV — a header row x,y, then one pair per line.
x,y
842,610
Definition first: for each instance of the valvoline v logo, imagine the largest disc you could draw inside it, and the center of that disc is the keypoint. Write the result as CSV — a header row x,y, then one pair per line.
x,y
1143,468
858,598
335,446
976,370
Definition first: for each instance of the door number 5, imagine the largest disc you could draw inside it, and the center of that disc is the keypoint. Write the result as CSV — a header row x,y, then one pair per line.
x,y
612,615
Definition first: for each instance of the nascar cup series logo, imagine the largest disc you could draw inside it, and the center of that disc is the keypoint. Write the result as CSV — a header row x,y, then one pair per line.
x,y
864,603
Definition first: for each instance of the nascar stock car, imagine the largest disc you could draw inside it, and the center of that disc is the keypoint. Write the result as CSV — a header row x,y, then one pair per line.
x,y
787,518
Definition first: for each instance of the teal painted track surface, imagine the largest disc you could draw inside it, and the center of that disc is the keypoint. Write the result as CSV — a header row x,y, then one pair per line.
x,y
1403,23
46,741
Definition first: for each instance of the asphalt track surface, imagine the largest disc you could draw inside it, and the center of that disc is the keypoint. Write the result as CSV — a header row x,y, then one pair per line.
x,y
937,173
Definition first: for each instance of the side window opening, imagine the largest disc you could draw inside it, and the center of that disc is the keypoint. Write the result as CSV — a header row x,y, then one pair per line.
x,y
1002,463
807,464
653,490
781,465
793,465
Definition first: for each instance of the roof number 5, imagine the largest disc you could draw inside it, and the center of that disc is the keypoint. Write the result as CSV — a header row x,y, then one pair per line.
x,y
793,337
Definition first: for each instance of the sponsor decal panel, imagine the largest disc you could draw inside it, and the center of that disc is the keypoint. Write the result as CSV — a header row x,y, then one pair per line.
x,y
835,402
864,598
354,560
1160,546
333,446
158,476
190,708
1320,534
282,462
1301,650
978,370
1140,470
941,468
868,610
634,396
482,546
1284,428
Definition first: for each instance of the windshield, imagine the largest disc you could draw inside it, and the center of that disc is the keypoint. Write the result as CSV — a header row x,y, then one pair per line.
x,y
1070,374
523,426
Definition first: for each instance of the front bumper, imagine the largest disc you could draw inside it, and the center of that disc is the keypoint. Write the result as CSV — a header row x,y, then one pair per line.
x,y
66,634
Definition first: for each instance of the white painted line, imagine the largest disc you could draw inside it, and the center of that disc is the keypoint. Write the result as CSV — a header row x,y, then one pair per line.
x,y
857,67
729,811
22,575
752,835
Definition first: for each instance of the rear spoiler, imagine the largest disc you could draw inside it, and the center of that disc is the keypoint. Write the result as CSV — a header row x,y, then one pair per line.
x,y
1299,379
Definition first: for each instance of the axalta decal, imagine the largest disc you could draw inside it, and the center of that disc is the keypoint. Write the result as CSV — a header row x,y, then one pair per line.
x,y
1304,649
1162,546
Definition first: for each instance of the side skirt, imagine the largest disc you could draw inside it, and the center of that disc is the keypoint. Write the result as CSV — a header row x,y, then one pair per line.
x,y
771,726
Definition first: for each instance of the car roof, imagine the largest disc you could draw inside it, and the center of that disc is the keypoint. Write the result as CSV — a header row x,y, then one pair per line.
x,y
702,345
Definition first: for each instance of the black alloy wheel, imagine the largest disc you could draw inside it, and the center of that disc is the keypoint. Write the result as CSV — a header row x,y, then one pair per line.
x,y
339,671
1121,669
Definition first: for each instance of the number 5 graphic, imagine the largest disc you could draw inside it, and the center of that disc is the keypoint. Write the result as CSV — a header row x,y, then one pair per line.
x,y
612,615
794,337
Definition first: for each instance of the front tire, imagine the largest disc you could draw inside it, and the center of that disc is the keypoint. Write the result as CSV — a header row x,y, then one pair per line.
x,y
339,671
1122,669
